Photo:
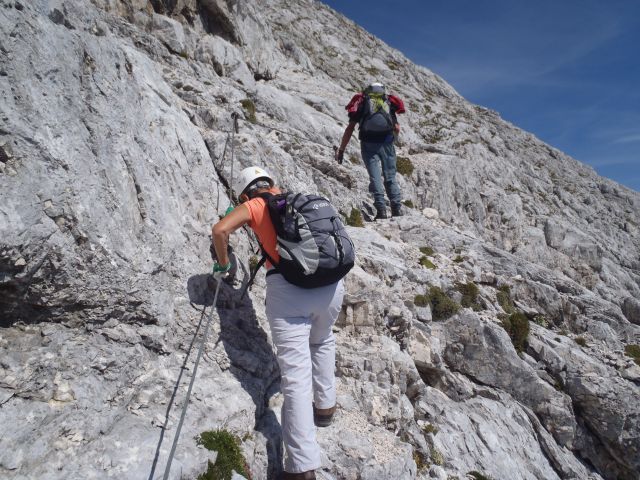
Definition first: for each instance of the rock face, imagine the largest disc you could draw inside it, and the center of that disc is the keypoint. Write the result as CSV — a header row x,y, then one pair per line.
x,y
115,157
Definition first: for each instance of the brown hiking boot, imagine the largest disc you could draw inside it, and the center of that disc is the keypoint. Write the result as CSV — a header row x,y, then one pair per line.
x,y
310,475
323,417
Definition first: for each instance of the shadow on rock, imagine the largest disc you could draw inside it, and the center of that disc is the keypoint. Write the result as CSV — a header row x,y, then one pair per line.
x,y
252,360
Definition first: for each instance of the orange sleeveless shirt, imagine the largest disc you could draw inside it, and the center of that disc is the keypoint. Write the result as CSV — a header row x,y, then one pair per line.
x,y
261,224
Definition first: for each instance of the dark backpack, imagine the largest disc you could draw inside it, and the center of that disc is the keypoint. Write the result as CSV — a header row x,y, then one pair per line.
x,y
378,119
315,249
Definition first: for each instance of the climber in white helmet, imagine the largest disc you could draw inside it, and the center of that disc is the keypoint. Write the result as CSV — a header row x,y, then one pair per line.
x,y
300,320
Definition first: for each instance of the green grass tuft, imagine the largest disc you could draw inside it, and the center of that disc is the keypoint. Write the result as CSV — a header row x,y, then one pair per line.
x,y
517,326
541,320
504,299
421,300
430,428
428,251
458,259
229,457
250,109
404,166
408,203
470,294
421,464
442,307
253,262
355,218
436,457
633,351
425,262
581,341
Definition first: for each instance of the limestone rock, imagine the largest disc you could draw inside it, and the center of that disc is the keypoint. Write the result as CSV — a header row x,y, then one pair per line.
x,y
225,58
115,157
631,310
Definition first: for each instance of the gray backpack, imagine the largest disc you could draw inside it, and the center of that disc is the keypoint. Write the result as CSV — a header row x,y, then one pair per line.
x,y
377,119
315,249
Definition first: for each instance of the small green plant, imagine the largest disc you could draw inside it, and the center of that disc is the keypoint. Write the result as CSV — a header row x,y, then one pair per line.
x,y
253,262
355,218
404,166
541,320
250,109
393,65
458,259
421,300
517,326
581,341
430,428
428,251
633,351
470,294
229,455
442,307
372,71
478,476
504,299
436,457
408,203
425,262
354,159
421,464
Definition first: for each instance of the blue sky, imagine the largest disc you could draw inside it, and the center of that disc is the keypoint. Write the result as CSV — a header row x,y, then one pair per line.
x,y
566,70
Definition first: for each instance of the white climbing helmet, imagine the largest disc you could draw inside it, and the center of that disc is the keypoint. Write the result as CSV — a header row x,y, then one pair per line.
x,y
375,87
248,176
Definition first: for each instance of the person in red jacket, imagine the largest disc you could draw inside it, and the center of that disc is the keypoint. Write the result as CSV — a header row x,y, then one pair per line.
x,y
376,114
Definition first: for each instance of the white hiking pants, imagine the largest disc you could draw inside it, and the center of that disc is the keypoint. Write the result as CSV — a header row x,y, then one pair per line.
x,y
301,321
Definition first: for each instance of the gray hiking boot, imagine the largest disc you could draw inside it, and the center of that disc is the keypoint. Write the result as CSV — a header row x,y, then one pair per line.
x,y
381,213
396,210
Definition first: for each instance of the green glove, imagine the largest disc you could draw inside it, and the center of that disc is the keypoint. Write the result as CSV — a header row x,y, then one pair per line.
x,y
228,211
220,271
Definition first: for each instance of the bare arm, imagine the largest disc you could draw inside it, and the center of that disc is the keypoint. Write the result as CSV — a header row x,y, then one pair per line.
x,y
225,227
347,135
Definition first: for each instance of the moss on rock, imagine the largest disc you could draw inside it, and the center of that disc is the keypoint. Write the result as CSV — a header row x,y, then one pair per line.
x,y
355,218
250,109
633,351
229,458
504,299
425,262
470,294
404,166
517,326
442,307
